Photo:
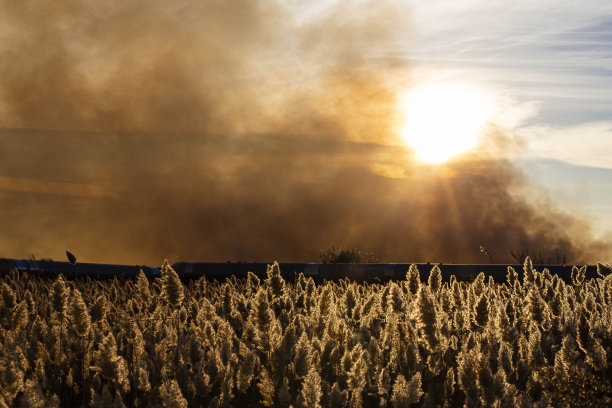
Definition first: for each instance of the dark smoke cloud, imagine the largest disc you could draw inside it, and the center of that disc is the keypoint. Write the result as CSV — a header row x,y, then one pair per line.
x,y
235,130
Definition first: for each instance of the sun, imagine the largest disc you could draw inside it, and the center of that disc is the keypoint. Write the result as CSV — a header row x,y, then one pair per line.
x,y
443,120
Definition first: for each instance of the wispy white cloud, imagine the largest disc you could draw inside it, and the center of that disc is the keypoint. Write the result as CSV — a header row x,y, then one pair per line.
x,y
588,144
555,52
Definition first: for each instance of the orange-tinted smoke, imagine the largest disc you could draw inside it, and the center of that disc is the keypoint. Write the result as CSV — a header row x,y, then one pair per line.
x,y
235,130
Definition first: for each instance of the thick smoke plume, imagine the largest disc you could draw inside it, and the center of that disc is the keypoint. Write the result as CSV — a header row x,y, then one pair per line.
x,y
236,130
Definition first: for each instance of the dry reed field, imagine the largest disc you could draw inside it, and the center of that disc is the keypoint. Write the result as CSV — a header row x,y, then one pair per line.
x,y
538,342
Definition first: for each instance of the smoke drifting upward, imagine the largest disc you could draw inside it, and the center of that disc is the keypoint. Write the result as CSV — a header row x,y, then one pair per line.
x,y
235,131
206,67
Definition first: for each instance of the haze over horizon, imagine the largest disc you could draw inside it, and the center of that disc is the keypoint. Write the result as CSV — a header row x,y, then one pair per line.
x,y
214,131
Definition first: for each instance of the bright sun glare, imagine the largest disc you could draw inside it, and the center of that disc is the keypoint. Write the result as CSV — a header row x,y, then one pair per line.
x,y
444,120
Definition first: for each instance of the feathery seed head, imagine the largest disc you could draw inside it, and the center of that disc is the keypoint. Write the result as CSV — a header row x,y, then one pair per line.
x,y
528,271
266,388
311,389
275,281
8,296
435,279
171,395
511,276
11,379
79,314
99,309
427,317
583,336
252,282
414,279
578,275
59,295
478,286
337,398
604,269
396,299
262,314
406,393
535,306
172,286
481,311
33,396
142,286
301,360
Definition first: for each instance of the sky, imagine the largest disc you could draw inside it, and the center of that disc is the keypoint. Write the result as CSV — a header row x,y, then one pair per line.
x,y
553,61
136,131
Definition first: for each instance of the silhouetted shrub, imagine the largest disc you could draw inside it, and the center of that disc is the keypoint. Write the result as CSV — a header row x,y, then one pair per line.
x,y
347,255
